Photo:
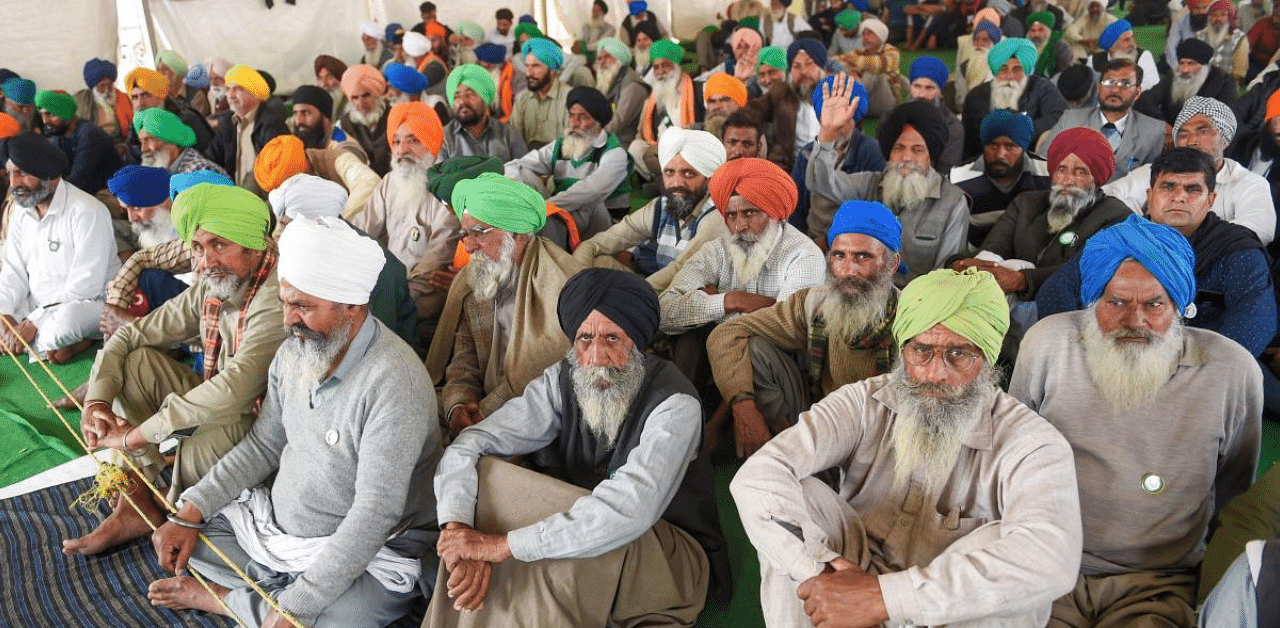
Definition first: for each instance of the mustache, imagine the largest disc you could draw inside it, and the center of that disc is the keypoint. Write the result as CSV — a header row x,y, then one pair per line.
x,y
300,330
946,392
1129,332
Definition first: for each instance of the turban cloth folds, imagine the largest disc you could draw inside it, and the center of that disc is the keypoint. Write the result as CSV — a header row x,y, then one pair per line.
x,y
545,51
140,186
37,156
219,67
1160,249
501,202
1013,47
308,245
876,26
231,212
490,53
527,28
667,49
1196,50
721,84
308,195
60,104
172,60
416,44
149,80
772,56
811,47
9,127
471,31
1087,144
702,150
334,65
636,7
474,77
422,120
1221,115
867,218
1042,17
622,296
373,29
931,68
252,81
197,77
922,116
363,76
281,158
990,29
180,183
444,176
1112,33
593,101
405,78
316,97
1016,126
970,304
987,14
615,48
95,70
165,126
759,181
848,19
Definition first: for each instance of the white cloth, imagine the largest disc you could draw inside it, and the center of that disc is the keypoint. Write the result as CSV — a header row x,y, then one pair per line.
x,y
704,151
416,44
373,29
1243,197
308,195
307,245
806,125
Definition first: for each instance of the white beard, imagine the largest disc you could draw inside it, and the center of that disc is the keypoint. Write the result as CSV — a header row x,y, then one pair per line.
x,y
496,74
1005,94
397,99
410,179
369,119
640,57
1215,35
487,276
307,357
667,95
1186,87
1129,375
928,431
217,95
903,192
158,230
605,77
575,144
1065,203
106,101
605,393
749,252
848,315
1131,55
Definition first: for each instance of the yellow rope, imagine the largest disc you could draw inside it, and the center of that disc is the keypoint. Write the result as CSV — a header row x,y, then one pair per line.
x,y
107,478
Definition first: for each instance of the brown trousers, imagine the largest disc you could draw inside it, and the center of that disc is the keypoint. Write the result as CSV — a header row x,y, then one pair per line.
x,y
1130,600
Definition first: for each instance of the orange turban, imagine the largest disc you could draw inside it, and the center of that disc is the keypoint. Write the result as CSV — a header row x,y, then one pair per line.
x,y
436,29
422,120
8,126
760,181
280,159
1273,106
721,84
363,76
149,80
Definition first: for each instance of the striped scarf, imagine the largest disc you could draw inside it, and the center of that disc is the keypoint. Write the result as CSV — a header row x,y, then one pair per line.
x,y
213,306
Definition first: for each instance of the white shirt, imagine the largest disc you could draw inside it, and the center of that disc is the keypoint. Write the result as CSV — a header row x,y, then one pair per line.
x,y
1243,197
806,125
506,41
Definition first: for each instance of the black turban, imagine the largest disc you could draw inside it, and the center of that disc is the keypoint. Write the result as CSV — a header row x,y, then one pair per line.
x,y
624,297
924,117
593,101
36,156
1196,50
648,27
1076,82
316,97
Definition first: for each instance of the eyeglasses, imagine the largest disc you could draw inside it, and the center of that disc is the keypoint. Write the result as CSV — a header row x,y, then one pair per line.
x,y
920,354
1121,83
477,231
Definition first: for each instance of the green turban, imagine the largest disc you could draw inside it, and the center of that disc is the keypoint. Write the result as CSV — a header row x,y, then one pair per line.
x,y
231,212
970,304
750,21
174,61
473,76
166,126
1043,17
59,104
1023,49
528,28
772,56
848,19
444,176
504,203
615,48
666,49
471,31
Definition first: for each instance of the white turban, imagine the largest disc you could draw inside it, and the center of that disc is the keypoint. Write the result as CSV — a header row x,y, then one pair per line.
x,y
416,44
701,149
306,195
327,259
218,66
373,29
876,26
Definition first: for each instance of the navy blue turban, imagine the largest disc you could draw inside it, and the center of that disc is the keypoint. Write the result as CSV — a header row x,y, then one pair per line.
x,y
624,297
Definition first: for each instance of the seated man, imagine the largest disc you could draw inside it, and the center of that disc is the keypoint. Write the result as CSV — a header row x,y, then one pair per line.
x,y
635,534
1128,360
60,252
753,357
583,172
538,113
786,106
676,101
337,536
90,151
147,89
957,505
1193,76
933,211
1005,170
1117,43
1086,29
722,95
876,65
365,120
1052,54
657,239
167,142
143,193
287,156
101,103
493,337
1042,229
622,85
474,131
246,127
743,135
927,80
235,309
1014,88
509,80
329,70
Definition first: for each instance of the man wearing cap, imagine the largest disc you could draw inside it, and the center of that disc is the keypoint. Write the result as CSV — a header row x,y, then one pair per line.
x,y
147,89
329,71
1005,170
657,239
754,356
539,113
473,130
627,518
933,211
585,171
366,118
337,536
1230,46
676,102
1013,88
622,85
638,14
59,254
721,95
1243,196
1085,30
876,65
1052,54
89,150
927,79
955,504
165,141
20,101
786,107
101,103
246,127
1193,75
371,37
1128,359
1117,42
855,152
286,156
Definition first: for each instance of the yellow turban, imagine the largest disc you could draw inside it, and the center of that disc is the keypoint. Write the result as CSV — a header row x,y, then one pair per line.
x,y
970,304
250,80
149,80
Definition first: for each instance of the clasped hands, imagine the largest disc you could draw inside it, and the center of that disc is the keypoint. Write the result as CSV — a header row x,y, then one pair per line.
x,y
469,556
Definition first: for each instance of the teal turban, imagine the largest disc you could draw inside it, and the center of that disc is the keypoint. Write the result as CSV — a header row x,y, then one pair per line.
x,y
1160,249
970,304
1023,49
504,203
615,48
231,212
546,52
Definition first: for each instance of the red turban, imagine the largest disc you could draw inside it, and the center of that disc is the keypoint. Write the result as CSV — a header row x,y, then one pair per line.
x,y
760,181
363,75
422,119
1087,144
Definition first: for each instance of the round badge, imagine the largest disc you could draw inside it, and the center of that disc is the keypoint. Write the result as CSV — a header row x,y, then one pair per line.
x,y
1068,238
54,245
1153,484
414,234
1191,310
331,437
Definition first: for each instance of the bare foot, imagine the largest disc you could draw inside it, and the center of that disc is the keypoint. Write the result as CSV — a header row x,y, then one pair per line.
x,y
70,401
183,592
64,355
124,524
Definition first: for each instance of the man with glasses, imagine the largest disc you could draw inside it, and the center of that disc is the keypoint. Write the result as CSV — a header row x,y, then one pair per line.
x,y
956,505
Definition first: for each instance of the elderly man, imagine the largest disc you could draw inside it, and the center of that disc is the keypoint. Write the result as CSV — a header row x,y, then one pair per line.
x,y
1117,43
235,309
1193,76
539,113
933,211
337,535
638,15
494,335
1230,47
509,79
753,357
147,89
365,120
173,67
20,101
585,171
101,103
786,107
1135,137
1128,359
771,66
742,135
1052,54
676,102
167,142
660,237
876,65
1005,170
628,514
59,254
246,127
722,95
90,151
1083,33
622,85
1243,197
329,71
855,152
1013,88
927,78
218,68
474,131
956,504
375,51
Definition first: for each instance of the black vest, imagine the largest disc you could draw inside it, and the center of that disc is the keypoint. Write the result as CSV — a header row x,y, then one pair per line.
x,y
577,457
1268,587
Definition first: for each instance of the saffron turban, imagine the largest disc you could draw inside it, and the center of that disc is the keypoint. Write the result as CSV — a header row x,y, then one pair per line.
x,y
703,151
876,26
1087,144
490,53
444,176
60,104
1160,249
856,90
219,67
624,297
308,196
636,7
848,19
992,31
172,60
970,303
811,47
316,97
180,183
37,156
363,76
1273,105
501,202
228,211
140,186
867,218
416,44
473,76
759,181
772,56
422,120
1043,17
281,158
9,127
435,29
149,80
721,84
471,31
197,77
1221,115
1112,33
405,78
1018,127
1015,47
931,68
615,48
1196,50
334,65
593,101
308,245
666,49
922,116
250,80
95,70
545,51
165,126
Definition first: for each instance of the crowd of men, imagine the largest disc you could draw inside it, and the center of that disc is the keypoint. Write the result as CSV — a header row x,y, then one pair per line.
x,y
467,319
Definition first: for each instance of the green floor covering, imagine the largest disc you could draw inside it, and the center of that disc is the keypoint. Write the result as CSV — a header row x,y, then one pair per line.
x,y
31,431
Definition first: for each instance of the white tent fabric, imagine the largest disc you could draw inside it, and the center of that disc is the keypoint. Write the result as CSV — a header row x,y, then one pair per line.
x,y
56,38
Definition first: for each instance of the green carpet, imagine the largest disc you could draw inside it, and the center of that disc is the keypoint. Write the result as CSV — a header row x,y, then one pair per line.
x,y
33,419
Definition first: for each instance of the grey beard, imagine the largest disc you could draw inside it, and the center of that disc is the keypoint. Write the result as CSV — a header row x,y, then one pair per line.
x,y
1005,94
928,430
575,144
1065,203
367,119
223,287
1185,86
1215,35
851,306
29,198
748,252
306,355
641,57
605,393
667,96
157,159
488,276
1129,375
904,192
25,119
1131,55
409,174
106,101
605,77
158,230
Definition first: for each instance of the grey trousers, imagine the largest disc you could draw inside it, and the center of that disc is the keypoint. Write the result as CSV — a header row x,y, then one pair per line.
x,y
781,392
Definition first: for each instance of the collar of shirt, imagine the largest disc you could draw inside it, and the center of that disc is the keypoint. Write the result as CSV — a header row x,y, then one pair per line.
x,y
554,92
246,119
356,350
1120,124
56,203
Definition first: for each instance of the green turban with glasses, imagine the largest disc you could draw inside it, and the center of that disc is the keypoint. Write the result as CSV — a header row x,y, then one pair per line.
x,y
969,303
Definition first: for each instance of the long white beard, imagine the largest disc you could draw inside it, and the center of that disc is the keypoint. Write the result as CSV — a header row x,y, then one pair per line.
x,y
1185,87
368,119
1215,35
749,252
605,393
157,159
852,306
928,430
1129,375
410,179
667,95
1065,203
1005,94
488,276
576,144
605,77
217,95
106,101
640,57
306,355
904,192
156,230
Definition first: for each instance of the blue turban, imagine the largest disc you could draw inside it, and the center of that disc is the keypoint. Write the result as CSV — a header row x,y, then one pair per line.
x,y
812,47
405,78
861,5
97,69
868,218
394,33
20,90
623,296
140,186
546,52
931,68
1008,47
197,77
1004,123
179,183
1160,249
527,19
637,7
856,89
1112,32
992,30
491,53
